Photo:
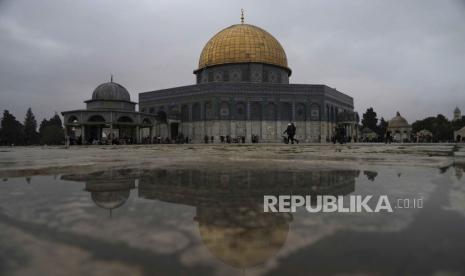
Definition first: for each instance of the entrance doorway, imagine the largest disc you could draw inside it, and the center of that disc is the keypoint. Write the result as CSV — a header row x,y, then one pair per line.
x,y
174,130
94,133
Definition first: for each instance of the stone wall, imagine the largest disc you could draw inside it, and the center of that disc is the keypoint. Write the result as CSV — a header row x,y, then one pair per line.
x,y
268,131
246,109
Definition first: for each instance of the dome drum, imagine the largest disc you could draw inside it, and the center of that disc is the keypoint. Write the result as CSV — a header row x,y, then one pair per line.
x,y
243,72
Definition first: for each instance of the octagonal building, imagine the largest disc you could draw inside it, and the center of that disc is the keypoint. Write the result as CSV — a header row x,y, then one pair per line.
x,y
242,92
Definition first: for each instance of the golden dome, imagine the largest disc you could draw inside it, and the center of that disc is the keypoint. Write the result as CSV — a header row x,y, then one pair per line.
x,y
243,43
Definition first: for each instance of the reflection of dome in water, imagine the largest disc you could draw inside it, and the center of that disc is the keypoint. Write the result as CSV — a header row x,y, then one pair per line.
x,y
110,199
243,239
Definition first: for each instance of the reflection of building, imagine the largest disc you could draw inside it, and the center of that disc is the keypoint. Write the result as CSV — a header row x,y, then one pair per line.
x,y
239,187
229,210
371,175
399,128
243,236
228,203
242,89
110,116
109,190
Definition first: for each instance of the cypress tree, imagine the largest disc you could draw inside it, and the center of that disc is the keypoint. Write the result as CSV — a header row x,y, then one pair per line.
x,y
31,136
12,130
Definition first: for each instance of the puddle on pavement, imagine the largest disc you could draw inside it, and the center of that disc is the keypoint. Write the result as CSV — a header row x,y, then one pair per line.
x,y
210,221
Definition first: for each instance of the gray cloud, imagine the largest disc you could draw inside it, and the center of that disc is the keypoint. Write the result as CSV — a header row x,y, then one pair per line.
x,y
403,55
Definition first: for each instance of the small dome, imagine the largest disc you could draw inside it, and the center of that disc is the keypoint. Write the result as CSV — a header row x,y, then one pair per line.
x,y
398,121
111,199
111,91
243,43
456,110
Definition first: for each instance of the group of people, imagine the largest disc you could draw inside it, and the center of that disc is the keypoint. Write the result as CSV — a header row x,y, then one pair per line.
x,y
181,139
225,139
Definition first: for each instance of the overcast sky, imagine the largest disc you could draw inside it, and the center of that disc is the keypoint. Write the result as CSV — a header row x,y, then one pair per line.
x,y
391,55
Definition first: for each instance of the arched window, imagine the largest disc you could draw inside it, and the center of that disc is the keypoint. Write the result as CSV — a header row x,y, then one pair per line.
x,y
240,111
270,112
224,111
196,112
185,113
209,114
124,119
315,112
73,119
146,121
286,112
96,118
256,111
300,112
333,117
162,116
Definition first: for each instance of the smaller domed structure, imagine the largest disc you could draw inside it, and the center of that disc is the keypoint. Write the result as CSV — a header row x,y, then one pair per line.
x,y
111,91
398,121
110,199
110,117
399,128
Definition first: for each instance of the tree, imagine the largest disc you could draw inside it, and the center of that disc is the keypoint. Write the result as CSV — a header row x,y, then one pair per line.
x,y
12,130
382,127
370,119
51,131
31,136
441,128
458,124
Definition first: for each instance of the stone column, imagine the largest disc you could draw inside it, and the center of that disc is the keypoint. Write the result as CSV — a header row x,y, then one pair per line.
x,y
202,119
66,137
248,125
190,131
232,124
278,132
137,135
111,134
151,130
168,129
262,122
293,111
83,134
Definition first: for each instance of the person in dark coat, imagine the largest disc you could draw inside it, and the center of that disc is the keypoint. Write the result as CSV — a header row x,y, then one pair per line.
x,y
291,130
294,131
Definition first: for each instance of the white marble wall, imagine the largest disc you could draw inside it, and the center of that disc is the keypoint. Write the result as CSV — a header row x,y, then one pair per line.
x,y
268,131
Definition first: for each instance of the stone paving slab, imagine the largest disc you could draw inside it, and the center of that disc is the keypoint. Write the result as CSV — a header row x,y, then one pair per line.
x,y
42,160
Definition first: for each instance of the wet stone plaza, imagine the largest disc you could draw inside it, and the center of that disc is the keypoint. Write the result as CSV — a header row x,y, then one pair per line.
x,y
199,210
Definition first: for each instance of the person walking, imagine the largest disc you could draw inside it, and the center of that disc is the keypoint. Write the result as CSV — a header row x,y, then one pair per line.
x,y
294,131
290,131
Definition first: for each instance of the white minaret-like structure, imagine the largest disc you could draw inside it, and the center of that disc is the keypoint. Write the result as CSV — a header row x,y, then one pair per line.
x,y
457,114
